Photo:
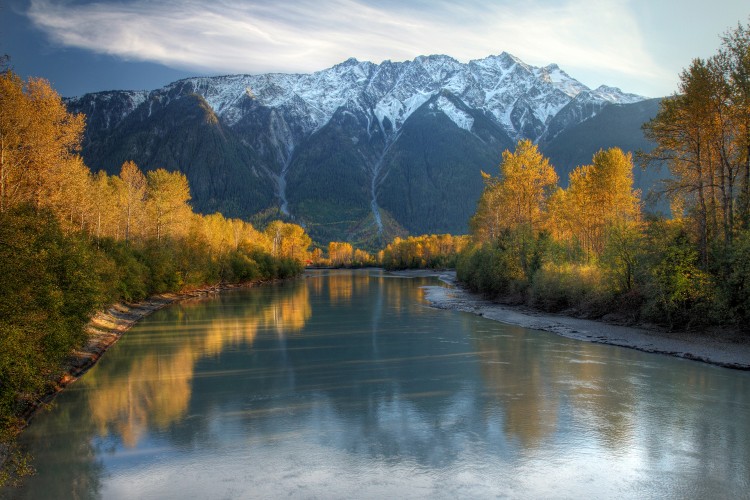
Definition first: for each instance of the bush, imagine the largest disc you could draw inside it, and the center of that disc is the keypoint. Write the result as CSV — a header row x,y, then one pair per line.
x,y
558,287
490,269
734,281
50,290
243,268
678,292
163,273
127,279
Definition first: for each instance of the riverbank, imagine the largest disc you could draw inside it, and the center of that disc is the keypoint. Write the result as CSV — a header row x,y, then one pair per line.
x,y
107,327
718,347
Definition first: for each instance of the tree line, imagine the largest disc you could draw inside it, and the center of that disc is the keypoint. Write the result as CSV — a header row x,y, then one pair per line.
x,y
428,251
73,241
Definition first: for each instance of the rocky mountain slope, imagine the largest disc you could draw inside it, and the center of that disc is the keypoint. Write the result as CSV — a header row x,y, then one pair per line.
x,y
359,151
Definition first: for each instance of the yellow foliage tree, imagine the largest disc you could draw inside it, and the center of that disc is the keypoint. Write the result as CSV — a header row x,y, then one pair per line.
x,y
598,196
518,197
168,195
340,254
131,192
39,143
288,240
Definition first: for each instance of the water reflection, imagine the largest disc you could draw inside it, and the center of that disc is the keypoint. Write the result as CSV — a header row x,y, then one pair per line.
x,y
151,386
346,384
532,380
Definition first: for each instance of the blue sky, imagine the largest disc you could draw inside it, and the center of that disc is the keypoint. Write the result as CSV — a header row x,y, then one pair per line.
x,y
84,46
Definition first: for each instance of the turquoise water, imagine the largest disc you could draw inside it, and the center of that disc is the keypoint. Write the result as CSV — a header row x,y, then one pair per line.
x,y
348,385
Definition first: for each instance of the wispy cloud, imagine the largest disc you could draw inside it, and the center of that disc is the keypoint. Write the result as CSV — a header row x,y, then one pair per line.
x,y
601,38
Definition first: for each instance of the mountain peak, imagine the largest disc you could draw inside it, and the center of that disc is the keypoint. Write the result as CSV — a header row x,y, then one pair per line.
x,y
504,59
435,58
352,61
615,95
506,56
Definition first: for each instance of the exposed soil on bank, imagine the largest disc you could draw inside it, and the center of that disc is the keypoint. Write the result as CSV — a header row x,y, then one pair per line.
x,y
718,347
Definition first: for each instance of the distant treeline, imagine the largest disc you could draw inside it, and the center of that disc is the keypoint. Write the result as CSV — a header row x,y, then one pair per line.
x,y
434,251
72,242
429,251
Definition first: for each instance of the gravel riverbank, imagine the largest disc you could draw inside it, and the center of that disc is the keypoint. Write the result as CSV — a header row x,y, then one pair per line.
x,y
722,348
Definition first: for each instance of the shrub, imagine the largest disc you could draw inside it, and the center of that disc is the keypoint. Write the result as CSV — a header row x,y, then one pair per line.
x,y
558,287
678,292
491,269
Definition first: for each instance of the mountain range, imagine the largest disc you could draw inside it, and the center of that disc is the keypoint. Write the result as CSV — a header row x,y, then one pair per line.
x,y
359,152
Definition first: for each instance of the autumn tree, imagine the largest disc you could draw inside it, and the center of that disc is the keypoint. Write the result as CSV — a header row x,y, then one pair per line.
x,y
340,253
518,197
735,58
702,133
246,237
599,196
685,136
39,142
288,240
362,258
216,232
101,202
132,196
167,196
437,251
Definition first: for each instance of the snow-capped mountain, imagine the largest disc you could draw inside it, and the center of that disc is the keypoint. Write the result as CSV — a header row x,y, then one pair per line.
x,y
272,129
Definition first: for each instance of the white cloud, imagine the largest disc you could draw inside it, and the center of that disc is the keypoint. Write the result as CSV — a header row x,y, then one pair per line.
x,y
586,38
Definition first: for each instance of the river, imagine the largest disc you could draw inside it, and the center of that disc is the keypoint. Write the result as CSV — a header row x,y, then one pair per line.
x,y
346,384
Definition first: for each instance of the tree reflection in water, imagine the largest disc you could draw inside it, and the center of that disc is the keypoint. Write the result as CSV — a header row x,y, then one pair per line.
x,y
151,385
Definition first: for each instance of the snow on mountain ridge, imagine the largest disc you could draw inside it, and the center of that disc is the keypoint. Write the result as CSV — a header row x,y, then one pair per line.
x,y
461,118
523,99
615,95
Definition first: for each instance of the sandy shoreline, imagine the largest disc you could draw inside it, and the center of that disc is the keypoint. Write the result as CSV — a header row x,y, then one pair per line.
x,y
718,348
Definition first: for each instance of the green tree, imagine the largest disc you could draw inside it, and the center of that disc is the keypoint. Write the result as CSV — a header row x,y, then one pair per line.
x,y
678,291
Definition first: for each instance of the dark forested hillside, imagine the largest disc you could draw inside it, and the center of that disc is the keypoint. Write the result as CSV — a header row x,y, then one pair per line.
x,y
615,126
433,177
186,135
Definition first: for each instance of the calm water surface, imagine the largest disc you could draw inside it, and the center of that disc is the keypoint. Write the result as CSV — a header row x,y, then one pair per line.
x,y
346,384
